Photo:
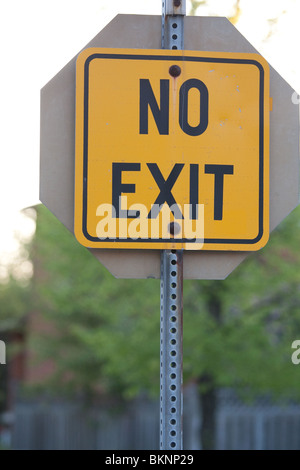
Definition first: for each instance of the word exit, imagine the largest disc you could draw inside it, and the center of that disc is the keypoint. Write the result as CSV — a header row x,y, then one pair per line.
x,y
165,187
171,143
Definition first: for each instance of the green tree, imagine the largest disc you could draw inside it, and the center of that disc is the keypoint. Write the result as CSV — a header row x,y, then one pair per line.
x,y
247,325
15,301
237,333
103,326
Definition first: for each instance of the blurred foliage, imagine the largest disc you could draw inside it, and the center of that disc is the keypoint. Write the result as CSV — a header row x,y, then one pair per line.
x,y
249,346
15,304
106,331
104,328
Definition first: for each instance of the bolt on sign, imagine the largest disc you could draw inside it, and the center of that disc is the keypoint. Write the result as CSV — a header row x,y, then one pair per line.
x,y
172,150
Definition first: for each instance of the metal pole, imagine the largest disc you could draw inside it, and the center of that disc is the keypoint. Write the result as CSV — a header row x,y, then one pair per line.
x,y
171,350
171,401
173,12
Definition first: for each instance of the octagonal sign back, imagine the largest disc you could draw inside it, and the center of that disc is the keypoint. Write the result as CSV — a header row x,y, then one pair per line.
x,y
212,36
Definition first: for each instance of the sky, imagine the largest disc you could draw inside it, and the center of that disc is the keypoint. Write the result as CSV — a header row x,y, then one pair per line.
x,y
38,37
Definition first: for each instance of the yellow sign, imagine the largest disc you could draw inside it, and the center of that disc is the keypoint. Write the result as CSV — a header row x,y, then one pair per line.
x,y
172,150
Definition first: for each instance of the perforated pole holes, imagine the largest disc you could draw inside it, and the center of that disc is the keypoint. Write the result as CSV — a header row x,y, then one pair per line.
x,y
173,12
171,350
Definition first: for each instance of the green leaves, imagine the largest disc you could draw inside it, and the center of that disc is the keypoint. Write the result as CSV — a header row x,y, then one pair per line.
x,y
106,331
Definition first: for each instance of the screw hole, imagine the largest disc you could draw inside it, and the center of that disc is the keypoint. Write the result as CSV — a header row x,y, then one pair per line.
x,y
173,330
174,36
173,365
173,433
174,25
174,47
173,376
173,444
173,273
174,285
173,422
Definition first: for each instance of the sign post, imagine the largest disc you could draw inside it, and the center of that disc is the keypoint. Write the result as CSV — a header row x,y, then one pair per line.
x,y
171,323
188,171
171,284
177,128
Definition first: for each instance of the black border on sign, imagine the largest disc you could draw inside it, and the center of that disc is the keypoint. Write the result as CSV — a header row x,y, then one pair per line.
x,y
182,58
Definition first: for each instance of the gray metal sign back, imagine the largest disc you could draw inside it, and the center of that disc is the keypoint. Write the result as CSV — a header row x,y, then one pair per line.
x,y
58,141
